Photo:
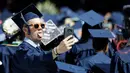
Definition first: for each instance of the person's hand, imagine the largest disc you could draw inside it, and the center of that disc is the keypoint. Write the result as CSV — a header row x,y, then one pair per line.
x,y
66,44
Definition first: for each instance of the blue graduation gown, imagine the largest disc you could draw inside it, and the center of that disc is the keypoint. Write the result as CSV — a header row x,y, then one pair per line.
x,y
27,59
121,61
5,53
99,58
80,51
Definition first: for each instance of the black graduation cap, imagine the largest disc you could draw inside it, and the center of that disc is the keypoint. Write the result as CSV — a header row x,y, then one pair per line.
x,y
101,68
70,68
101,33
24,15
92,18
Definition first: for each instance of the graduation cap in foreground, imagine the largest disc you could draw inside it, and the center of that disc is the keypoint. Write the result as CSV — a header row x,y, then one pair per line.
x,y
92,18
101,68
101,33
70,68
26,14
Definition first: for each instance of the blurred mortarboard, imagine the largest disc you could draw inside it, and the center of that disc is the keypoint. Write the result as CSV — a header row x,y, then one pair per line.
x,y
64,9
101,68
101,33
26,14
70,67
50,17
61,17
71,14
118,19
68,12
92,18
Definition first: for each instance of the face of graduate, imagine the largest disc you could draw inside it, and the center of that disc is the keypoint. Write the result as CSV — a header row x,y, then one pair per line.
x,y
36,26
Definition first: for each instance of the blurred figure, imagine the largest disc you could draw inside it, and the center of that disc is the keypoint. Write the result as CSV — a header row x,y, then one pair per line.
x,y
109,25
29,57
83,48
99,35
121,60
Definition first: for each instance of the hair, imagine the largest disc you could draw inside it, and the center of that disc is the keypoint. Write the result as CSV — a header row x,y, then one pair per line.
x,y
85,33
100,43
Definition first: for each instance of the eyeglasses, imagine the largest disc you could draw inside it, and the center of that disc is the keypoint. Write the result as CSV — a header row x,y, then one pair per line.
x,y
37,25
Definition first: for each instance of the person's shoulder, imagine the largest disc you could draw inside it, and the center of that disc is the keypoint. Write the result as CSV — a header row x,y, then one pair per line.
x,y
24,46
86,63
99,58
87,60
124,54
85,46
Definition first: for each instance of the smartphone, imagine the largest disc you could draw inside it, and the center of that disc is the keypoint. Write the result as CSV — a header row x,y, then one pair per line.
x,y
68,31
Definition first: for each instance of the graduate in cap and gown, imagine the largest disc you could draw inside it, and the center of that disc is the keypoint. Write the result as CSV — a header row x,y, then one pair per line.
x,y
120,62
100,41
83,48
28,57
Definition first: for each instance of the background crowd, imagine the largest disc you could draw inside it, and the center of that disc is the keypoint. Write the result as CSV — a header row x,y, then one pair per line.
x,y
107,15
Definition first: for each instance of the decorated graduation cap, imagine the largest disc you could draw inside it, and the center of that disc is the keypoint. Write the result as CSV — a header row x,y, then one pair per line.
x,y
92,18
26,14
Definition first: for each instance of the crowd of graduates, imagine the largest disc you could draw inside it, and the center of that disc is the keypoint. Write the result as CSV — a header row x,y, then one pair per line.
x,y
103,39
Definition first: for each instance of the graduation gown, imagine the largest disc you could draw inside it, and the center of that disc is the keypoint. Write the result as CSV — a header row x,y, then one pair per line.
x,y
5,53
27,59
80,51
121,61
99,58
